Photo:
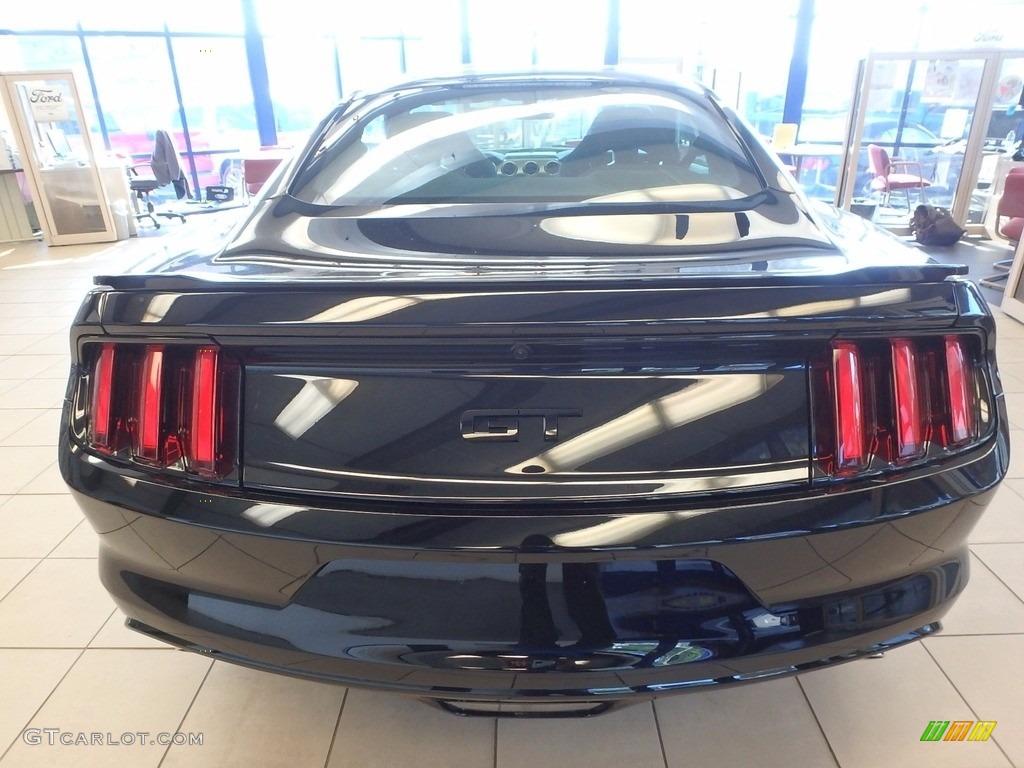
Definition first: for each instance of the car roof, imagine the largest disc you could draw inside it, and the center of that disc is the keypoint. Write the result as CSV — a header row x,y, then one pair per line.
x,y
553,78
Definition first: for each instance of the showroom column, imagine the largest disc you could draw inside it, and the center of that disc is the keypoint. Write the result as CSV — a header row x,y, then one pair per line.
x,y
797,84
258,76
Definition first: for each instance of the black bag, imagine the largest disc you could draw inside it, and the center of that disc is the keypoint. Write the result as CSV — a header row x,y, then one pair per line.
x,y
934,226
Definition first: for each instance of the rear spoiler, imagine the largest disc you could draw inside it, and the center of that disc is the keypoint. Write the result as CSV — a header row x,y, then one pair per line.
x,y
420,280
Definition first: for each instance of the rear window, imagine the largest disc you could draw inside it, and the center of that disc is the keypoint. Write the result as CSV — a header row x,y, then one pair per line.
x,y
574,144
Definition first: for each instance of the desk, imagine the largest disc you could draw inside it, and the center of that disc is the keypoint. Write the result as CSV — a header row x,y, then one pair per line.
x,y
798,154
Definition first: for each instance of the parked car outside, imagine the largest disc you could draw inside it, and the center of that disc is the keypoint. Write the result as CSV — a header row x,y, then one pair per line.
x,y
535,394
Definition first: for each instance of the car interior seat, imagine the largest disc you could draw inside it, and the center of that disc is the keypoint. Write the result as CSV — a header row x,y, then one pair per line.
x,y
624,136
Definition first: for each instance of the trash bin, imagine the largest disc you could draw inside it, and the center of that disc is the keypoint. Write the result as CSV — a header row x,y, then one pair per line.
x,y
119,216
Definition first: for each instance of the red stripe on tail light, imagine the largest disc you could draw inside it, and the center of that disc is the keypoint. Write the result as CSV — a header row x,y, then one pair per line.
x,y
958,373
147,433
907,396
204,432
101,427
850,436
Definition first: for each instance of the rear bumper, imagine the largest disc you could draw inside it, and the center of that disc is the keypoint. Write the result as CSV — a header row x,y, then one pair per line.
x,y
534,608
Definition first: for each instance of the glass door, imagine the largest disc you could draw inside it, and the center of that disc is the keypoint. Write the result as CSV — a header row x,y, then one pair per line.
x,y
915,116
58,157
1000,154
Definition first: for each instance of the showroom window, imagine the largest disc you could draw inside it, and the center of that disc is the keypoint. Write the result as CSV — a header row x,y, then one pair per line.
x,y
399,41
730,40
573,37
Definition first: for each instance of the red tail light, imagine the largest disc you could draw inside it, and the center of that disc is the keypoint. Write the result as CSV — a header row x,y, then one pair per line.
x,y
893,402
907,400
961,407
101,426
172,407
850,432
205,418
146,444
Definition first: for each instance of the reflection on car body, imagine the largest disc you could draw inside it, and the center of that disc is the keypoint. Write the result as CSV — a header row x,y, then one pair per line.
x,y
537,394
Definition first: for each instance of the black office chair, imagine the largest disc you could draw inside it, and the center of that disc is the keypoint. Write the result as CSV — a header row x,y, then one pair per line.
x,y
166,168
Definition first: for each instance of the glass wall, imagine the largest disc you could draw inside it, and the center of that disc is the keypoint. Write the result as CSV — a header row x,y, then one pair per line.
x,y
571,34
223,63
748,38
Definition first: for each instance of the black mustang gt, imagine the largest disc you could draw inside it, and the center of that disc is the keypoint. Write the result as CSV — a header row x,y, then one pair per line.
x,y
535,394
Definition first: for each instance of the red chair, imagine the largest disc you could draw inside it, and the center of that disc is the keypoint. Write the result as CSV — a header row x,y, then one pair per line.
x,y
1011,206
887,179
257,170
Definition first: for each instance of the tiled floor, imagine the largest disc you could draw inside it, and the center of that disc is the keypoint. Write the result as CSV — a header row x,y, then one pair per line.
x,y
66,662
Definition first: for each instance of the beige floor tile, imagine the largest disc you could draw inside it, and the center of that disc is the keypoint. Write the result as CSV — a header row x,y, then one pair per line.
x,y
254,718
31,526
41,431
1003,520
36,393
28,678
115,634
45,324
1016,469
10,325
36,295
22,465
874,711
54,344
42,309
61,604
1006,561
27,367
47,481
1012,376
366,736
986,606
1015,410
22,343
1008,327
1010,352
14,419
116,692
766,724
81,542
12,571
627,737
992,689
60,369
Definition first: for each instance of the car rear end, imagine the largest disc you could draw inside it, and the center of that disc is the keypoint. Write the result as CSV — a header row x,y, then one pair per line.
x,y
535,395
536,494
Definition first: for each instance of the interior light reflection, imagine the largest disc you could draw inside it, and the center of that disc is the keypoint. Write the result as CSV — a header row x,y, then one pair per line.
x,y
893,296
622,530
318,397
709,395
266,515
158,307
